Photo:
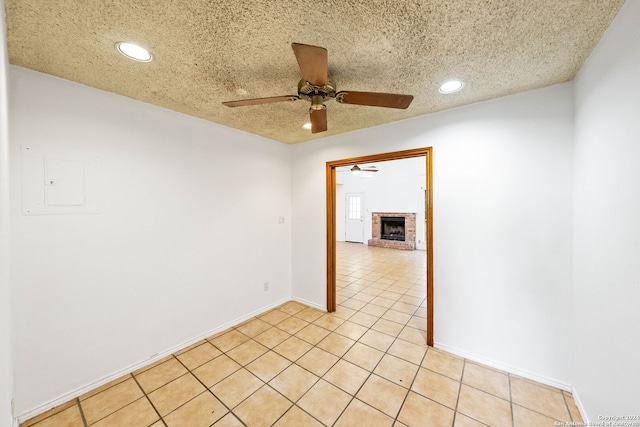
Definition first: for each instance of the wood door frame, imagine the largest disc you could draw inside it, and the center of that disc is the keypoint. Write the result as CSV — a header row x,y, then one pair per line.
x,y
331,222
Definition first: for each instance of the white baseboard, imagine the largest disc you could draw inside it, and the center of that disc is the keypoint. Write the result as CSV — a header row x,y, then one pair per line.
x,y
104,380
583,413
309,303
507,368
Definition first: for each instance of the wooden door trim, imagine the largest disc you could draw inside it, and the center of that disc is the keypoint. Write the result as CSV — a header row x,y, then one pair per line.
x,y
331,222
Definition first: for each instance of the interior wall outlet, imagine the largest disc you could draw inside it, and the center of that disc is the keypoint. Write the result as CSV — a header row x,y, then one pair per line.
x,y
266,286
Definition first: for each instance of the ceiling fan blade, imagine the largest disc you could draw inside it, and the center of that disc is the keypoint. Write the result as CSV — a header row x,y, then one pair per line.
x,y
375,99
318,120
313,63
369,170
256,101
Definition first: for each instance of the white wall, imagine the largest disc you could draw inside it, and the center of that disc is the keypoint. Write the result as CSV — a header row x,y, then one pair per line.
x,y
502,224
6,371
606,289
187,235
396,187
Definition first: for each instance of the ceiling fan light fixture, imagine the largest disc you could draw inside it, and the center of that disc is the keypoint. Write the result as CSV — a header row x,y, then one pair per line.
x,y
133,51
451,86
355,170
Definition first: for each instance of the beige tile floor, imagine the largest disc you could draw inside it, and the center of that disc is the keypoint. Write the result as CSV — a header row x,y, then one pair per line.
x,y
364,365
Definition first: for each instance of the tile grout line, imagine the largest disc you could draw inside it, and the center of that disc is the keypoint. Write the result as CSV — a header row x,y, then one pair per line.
x,y
455,413
566,404
513,415
149,399
84,420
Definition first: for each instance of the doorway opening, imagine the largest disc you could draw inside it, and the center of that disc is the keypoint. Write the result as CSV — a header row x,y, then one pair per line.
x,y
331,223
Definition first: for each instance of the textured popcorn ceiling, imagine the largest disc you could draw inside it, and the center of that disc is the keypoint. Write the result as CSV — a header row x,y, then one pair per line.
x,y
206,52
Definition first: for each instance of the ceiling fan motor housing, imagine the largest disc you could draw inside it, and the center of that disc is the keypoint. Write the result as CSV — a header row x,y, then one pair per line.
x,y
307,90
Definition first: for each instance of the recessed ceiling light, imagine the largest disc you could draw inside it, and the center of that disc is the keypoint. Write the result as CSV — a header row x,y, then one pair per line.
x,y
451,86
306,126
133,51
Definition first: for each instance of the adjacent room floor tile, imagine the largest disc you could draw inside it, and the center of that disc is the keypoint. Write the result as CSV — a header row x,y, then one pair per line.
x,y
357,412
202,411
312,334
229,340
217,369
293,348
336,344
329,321
351,330
317,361
199,355
228,420
292,325
383,395
420,411
274,317
443,363
272,337
347,376
540,399
69,417
464,421
487,379
309,314
296,417
253,327
325,402
268,366
294,382
523,417
407,351
247,352
174,394
377,340
262,408
364,356
160,375
137,414
436,387
236,387
110,400
484,407
396,370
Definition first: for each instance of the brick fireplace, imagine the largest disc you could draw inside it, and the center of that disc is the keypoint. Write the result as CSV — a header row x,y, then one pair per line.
x,y
395,230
